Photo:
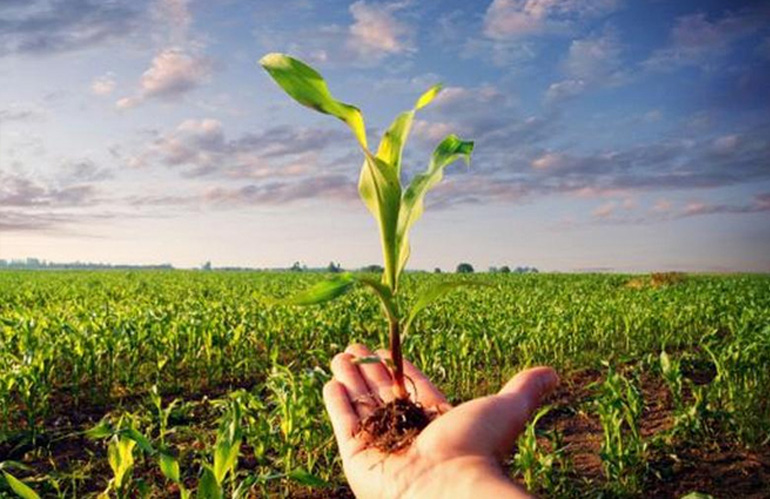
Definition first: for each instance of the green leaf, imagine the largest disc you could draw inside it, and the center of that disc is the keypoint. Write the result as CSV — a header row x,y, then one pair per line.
x,y
142,441
305,85
21,489
120,457
208,488
322,292
697,495
244,487
103,429
380,190
391,146
427,97
302,476
449,150
169,466
380,184
665,362
383,293
431,295
225,457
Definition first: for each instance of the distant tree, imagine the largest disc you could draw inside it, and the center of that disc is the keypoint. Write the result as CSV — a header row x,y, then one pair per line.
x,y
534,270
505,269
520,270
464,268
374,268
206,266
437,270
493,270
334,268
296,267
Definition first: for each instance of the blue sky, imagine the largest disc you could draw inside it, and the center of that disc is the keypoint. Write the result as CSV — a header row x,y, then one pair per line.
x,y
610,134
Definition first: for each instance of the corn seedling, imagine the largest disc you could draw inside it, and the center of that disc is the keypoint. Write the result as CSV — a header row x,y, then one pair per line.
x,y
619,406
394,207
540,469
20,488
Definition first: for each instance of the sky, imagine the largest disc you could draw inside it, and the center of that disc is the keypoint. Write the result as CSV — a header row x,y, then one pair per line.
x,y
618,135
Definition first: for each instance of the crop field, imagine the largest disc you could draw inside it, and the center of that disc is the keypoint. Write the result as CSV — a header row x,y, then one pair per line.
x,y
196,384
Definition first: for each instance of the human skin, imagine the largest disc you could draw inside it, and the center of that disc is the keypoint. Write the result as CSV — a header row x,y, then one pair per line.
x,y
456,455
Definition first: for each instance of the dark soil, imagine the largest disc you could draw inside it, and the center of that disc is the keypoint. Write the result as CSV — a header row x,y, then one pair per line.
x,y
722,468
392,427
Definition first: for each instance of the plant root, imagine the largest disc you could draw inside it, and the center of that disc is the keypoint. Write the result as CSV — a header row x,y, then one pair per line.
x,y
392,427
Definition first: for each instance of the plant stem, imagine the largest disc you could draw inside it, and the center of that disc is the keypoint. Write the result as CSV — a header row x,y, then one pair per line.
x,y
399,389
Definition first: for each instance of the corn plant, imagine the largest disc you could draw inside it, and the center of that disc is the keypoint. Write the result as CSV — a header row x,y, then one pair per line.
x,y
20,488
540,469
395,208
623,449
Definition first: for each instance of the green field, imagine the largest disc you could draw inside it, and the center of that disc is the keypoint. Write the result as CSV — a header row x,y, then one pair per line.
x,y
192,368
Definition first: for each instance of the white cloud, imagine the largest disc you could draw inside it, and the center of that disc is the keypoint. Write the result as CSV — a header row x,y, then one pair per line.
x,y
548,161
563,90
172,74
506,19
590,63
595,58
375,31
103,85
432,131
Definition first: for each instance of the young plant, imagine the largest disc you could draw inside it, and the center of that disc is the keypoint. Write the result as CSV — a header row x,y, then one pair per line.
x,y
394,207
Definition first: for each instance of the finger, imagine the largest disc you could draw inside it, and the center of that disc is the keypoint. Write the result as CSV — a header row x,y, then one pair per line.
x,y
420,386
490,425
517,401
348,374
536,383
342,415
375,375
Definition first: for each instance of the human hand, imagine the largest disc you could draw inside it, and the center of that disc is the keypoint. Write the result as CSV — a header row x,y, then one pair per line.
x,y
456,455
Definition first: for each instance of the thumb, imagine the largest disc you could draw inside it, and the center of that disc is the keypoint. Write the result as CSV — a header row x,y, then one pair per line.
x,y
513,406
490,425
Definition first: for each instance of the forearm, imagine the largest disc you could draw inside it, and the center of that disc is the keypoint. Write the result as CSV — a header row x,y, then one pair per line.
x,y
468,477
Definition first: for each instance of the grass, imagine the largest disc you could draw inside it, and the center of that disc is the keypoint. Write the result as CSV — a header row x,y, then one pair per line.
x,y
200,365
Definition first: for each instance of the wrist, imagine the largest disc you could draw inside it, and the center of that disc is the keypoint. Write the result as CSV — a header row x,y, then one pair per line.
x,y
468,476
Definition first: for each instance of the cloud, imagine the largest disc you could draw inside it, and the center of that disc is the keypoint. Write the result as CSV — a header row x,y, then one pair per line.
x,y
18,190
41,27
21,112
506,19
201,148
177,14
83,170
605,210
591,63
103,85
697,40
376,32
171,74
19,221
760,204
564,90
664,211
547,161
336,187
511,167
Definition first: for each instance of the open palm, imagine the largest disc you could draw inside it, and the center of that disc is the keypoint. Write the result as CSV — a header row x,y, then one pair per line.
x,y
457,453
